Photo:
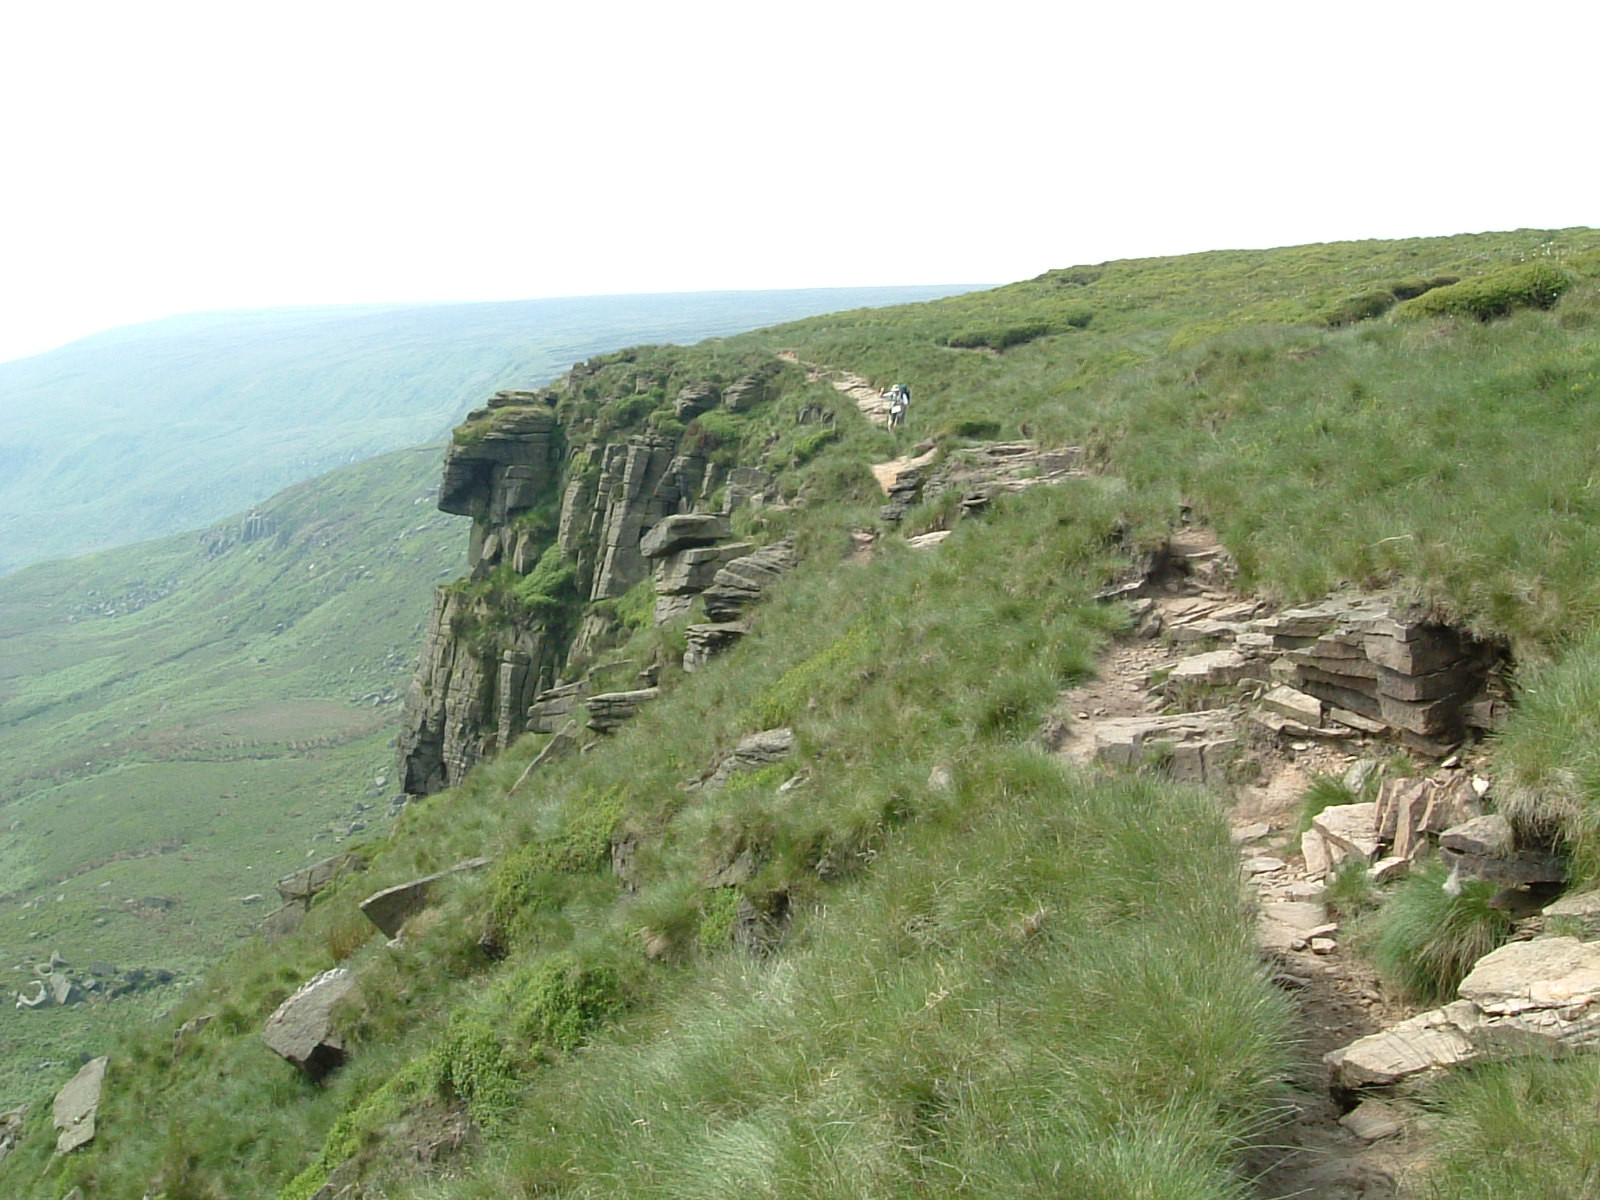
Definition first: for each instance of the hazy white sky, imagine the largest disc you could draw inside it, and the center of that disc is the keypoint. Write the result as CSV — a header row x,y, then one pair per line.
x,y
180,155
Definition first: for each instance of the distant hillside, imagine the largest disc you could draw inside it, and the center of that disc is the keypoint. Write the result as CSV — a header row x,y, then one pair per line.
x,y
140,432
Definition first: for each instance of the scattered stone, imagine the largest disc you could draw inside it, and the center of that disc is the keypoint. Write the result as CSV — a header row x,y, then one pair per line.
x,y
1386,870
76,1106
940,779
302,1029
1264,865
1322,945
1253,832
1281,924
11,1127
1295,705
927,541
1372,1120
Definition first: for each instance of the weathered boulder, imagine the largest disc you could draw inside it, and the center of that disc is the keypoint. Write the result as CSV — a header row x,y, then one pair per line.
x,y
76,1106
694,570
1348,829
694,399
302,1028
747,486
745,392
394,906
681,531
754,751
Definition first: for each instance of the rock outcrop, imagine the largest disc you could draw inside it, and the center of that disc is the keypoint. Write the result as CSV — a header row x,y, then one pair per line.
x,y
570,510
980,473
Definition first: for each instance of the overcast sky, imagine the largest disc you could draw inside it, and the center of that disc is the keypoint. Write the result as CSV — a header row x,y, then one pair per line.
x,y
181,155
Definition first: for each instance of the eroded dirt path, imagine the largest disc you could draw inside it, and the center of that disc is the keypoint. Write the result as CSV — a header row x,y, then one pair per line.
x,y
1338,997
867,396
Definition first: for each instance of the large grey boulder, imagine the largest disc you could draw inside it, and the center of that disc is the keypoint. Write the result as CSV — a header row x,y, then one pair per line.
x,y
302,1029
77,1105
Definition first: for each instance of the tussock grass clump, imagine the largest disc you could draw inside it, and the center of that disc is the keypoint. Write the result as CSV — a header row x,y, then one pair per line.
x,y
1526,1128
1426,938
1550,755
1325,791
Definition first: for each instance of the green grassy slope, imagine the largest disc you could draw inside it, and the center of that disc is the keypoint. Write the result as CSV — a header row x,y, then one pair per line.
x,y
189,718
143,431
1029,981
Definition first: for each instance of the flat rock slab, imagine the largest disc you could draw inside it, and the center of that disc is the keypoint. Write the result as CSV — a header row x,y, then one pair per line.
x,y
1535,997
1557,972
1191,746
1218,668
1294,704
1281,926
76,1106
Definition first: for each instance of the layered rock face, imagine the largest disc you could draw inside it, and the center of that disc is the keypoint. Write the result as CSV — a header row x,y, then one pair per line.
x,y
544,495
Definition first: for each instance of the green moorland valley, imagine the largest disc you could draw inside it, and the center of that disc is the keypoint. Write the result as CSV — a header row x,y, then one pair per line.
x,y
920,953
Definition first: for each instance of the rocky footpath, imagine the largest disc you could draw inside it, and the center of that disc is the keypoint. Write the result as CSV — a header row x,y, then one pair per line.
x,y
1217,688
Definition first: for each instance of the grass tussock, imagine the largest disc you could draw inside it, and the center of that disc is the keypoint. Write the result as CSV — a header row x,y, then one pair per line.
x,y
1428,936
1528,1128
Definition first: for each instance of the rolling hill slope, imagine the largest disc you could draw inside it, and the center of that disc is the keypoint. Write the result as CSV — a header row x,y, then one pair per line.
x,y
900,946
144,431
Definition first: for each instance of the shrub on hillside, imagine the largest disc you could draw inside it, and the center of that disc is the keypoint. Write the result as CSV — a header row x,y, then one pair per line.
x,y
1532,285
1366,305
